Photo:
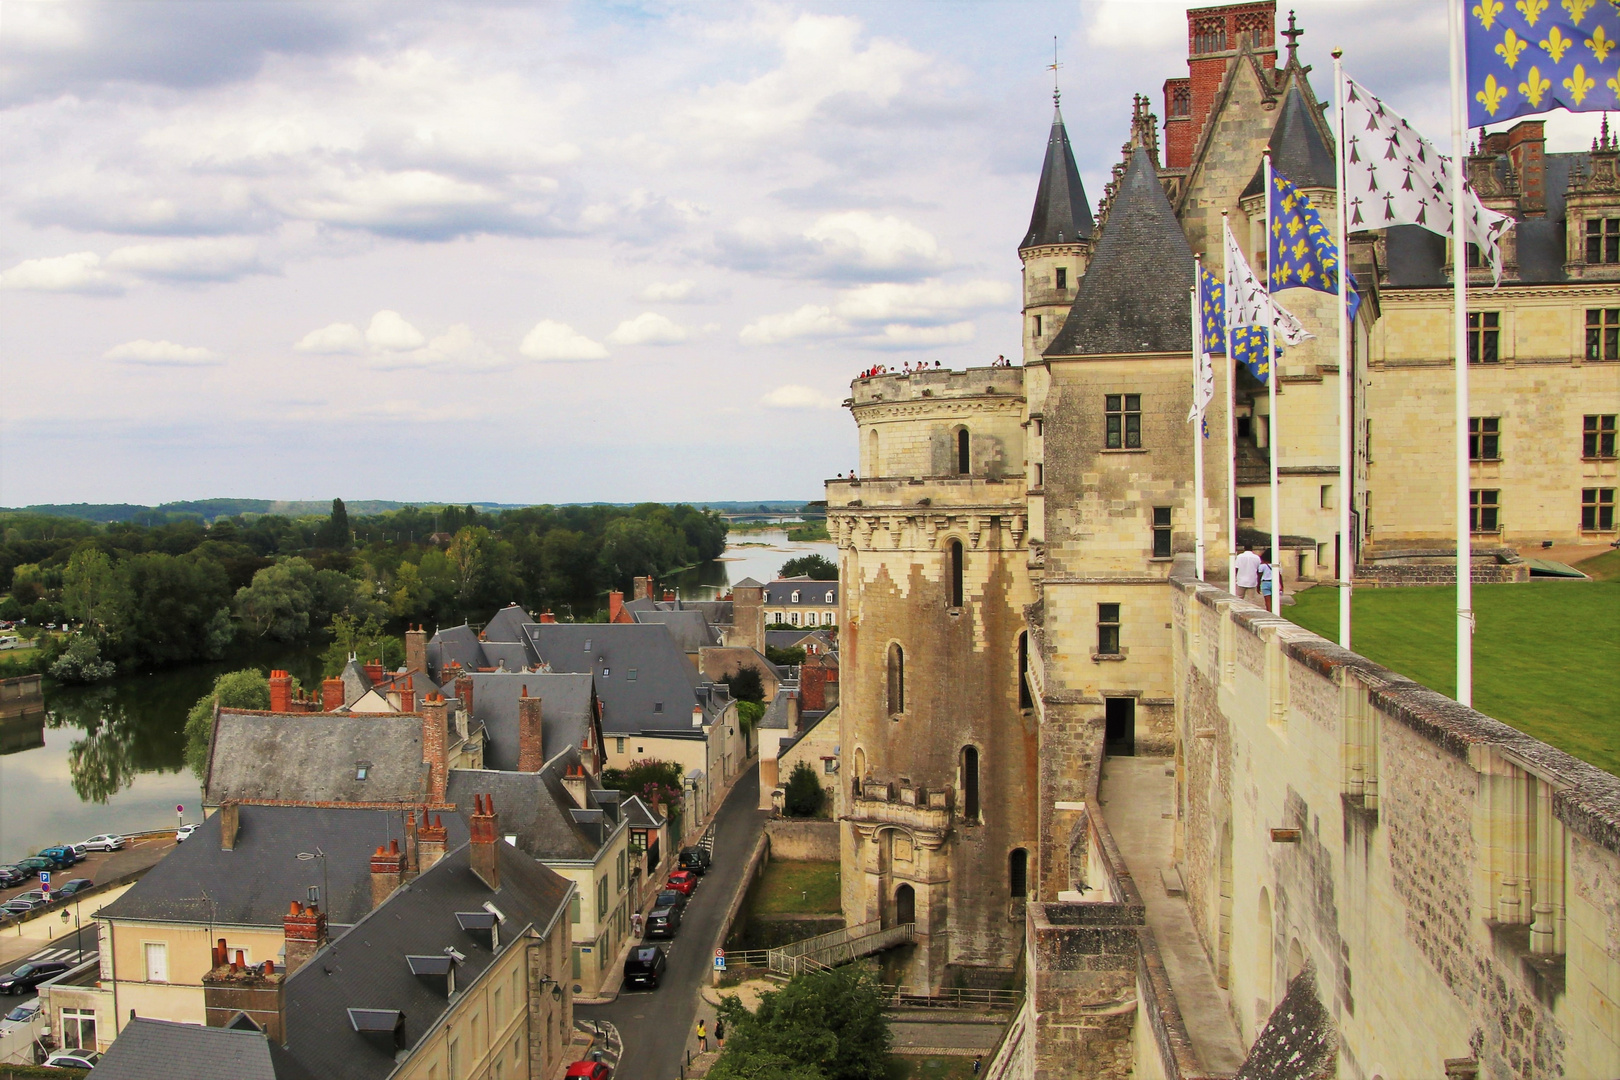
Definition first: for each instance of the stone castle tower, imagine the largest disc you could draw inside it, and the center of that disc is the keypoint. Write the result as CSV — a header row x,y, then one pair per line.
x,y
1057,246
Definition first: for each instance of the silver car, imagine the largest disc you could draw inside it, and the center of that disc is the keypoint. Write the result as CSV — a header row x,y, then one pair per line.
x,y
104,842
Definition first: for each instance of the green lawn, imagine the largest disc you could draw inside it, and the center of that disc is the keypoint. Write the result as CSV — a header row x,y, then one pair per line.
x,y
1546,653
797,888
905,1067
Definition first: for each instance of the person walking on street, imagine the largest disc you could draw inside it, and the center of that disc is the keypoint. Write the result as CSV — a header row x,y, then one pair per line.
x,y
1248,574
720,1033
1267,571
703,1038
635,922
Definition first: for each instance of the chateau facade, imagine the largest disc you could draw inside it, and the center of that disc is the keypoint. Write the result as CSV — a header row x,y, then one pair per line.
x,y
1020,615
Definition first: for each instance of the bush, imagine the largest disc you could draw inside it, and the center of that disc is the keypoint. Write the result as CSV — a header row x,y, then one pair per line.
x,y
749,714
82,662
804,795
828,1025
654,781
789,656
814,567
245,689
745,685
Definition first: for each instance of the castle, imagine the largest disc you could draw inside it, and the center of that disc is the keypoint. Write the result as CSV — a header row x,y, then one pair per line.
x,y
1180,819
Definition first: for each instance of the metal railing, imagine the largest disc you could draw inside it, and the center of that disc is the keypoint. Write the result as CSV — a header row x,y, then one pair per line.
x,y
953,997
839,947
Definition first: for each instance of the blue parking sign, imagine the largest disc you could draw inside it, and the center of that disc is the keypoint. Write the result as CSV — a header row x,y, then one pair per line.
x,y
45,880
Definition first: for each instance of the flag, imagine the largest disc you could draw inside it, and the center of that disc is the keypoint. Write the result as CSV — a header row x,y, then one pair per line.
x,y
1393,176
1304,254
1249,349
1532,56
1211,341
1250,304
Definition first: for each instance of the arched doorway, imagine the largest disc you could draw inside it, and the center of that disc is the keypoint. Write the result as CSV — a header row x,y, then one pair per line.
x,y
905,905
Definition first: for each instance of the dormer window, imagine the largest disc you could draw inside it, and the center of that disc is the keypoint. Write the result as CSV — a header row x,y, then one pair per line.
x,y
829,598
1603,240
795,596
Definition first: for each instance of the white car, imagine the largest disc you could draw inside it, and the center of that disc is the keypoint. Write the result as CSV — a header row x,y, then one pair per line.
x,y
21,1015
185,831
73,1059
104,842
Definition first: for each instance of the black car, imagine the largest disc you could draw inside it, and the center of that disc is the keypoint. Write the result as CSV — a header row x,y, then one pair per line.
x,y
32,974
663,922
643,967
68,888
11,875
671,898
695,859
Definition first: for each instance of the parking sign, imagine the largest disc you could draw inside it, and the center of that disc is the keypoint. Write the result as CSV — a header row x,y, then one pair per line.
x,y
45,881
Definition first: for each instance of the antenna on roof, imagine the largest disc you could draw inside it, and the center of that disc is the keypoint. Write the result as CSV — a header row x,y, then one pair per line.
x,y
1053,68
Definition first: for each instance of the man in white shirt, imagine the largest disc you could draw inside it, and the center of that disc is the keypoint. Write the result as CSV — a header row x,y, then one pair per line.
x,y
1248,575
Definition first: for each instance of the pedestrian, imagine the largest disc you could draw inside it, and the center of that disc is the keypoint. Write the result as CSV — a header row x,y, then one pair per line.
x,y
1248,574
978,1059
703,1038
635,921
1267,571
720,1033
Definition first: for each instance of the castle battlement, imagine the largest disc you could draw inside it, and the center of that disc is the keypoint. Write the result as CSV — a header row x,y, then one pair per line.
x,y
937,383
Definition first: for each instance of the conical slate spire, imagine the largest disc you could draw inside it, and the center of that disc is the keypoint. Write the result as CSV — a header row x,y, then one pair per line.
x,y
1061,214
1133,297
1299,150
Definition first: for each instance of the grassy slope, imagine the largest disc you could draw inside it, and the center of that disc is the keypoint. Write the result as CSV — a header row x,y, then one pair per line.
x,y
797,888
1546,653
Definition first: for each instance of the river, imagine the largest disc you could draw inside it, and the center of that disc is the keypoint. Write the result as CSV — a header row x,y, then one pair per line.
x,y
111,757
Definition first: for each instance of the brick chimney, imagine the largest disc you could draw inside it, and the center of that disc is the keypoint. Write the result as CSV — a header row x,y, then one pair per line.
x,y
280,692
434,751
464,691
616,607
1213,37
669,596
387,872
374,671
304,932
547,617
331,695
231,987
530,755
229,824
430,841
481,851
416,649
412,866
644,587
407,696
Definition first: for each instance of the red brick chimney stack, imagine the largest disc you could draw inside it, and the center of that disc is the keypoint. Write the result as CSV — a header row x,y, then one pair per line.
x,y
485,829
464,691
407,696
531,756
387,872
434,750
412,865
374,671
280,692
430,841
331,695
1213,38
304,930
547,617
669,596
615,606
416,649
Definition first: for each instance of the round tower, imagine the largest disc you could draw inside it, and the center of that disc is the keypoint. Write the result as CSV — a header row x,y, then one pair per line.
x,y
937,738
1057,246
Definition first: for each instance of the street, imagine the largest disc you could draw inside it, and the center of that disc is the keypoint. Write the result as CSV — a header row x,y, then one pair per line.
x,y
655,1025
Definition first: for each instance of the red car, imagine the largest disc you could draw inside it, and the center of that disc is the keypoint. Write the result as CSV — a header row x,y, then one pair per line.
x,y
588,1070
682,881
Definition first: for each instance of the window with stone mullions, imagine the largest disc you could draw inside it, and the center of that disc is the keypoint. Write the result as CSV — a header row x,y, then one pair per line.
x,y
1484,337
1108,629
1597,436
1161,532
1603,333
1597,509
1603,240
1124,417
1484,438
1484,506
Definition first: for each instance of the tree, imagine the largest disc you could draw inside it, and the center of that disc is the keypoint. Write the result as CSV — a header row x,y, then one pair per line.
x,y
814,567
364,640
804,795
82,662
654,781
791,655
174,606
276,604
745,684
335,533
94,593
826,1025
245,689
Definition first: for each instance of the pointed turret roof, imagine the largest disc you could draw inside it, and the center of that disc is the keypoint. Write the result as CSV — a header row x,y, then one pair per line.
x,y
1133,297
1299,149
1061,215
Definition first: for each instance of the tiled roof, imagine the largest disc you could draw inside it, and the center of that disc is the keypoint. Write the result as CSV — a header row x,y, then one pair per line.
x,y
313,757
643,679
1061,214
565,712
163,1050
1299,149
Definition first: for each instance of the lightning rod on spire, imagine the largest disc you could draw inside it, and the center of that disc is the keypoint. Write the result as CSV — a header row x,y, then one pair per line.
x,y
1053,68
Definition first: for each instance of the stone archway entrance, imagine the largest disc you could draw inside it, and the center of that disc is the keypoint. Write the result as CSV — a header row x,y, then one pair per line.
x,y
905,905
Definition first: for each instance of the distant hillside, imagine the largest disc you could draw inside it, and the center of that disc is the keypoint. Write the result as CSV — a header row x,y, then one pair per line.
x,y
208,510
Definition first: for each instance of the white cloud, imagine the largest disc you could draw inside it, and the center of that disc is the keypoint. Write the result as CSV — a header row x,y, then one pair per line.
x,y
458,347
811,320
875,243
649,328
390,331
1137,26
922,302
794,396
80,272
901,336
162,354
669,292
848,244
336,339
207,259
558,342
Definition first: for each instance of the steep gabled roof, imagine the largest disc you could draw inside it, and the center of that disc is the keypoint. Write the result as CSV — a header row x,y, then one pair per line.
x,y
1061,215
1299,149
507,624
565,712
161,1049
1134,295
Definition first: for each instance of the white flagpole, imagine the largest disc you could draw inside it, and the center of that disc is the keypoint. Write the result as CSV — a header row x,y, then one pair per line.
x,y
1347,568
1231,417
1459,276
1273,445
1198,425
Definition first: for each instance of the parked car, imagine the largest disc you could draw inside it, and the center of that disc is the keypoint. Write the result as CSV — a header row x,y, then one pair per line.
x,y
663,922
645,966
11,875
62,853
35,863
22,905
22,1014
671,898
185,831
74,1059
68,888
695,859
588,1070
682,881
105,842
30,975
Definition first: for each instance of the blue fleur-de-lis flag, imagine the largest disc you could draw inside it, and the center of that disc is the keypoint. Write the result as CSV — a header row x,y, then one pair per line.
x,y
1248,342
1304,254
1249,349
1532,56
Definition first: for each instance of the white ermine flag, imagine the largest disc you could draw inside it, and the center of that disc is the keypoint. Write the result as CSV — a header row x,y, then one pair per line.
x,y
1249,304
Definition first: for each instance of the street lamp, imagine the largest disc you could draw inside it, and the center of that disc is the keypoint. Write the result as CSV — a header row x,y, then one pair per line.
x,y
78,931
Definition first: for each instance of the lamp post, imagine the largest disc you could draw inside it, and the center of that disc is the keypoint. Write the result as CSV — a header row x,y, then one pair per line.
x,y
78,931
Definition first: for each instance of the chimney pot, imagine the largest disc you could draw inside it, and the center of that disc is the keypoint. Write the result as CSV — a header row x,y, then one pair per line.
x,y
485,834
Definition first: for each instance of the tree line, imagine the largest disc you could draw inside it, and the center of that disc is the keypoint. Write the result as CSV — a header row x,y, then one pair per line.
x,y
150,595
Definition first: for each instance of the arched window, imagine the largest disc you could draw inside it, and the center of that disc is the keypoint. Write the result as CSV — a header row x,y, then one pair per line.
x,y
970,783
1026,699
905,905
860,764
1263,959
897,679
956,573
964,461
1018,873
872,453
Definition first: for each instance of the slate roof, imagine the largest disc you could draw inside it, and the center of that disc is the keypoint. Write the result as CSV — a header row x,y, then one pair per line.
x,y
810,592
163,1049
1299,150
565,714
776,713
787,639
1061,214
1133,297
638,815
507,624
643,679
537,809
748,583
252,884
459,644
366,968
312,757
690,629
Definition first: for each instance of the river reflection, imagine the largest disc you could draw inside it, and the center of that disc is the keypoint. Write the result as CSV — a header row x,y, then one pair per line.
x,y
757,555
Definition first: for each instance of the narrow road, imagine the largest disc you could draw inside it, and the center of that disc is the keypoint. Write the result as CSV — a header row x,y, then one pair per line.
x,y
655,1024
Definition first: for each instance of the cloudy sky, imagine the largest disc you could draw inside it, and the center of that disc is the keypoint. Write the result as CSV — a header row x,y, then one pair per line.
x,y
537,252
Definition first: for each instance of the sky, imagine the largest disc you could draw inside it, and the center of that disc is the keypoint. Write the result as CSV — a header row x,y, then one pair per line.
x,y
522,253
